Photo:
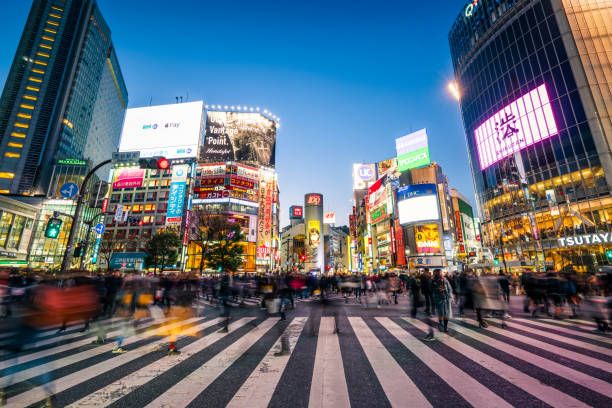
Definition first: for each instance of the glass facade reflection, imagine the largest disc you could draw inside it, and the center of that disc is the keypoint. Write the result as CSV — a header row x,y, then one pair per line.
x,y
531,197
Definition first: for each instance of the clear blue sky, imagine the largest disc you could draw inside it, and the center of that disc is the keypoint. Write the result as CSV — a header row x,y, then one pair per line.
x,y
346,77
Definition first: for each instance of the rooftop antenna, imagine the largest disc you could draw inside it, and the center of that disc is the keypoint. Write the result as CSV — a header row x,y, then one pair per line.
x,y
181,99
176,99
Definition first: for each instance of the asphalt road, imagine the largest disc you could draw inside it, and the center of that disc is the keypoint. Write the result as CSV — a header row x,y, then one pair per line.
x,y
337,354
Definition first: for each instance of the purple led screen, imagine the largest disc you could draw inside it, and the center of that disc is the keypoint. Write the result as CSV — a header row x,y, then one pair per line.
x,y
526,121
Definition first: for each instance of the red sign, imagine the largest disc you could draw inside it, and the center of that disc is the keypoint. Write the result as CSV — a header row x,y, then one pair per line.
x,y
399,243
242,182
459,228
263,252
105,205
212,181
314,199
298,212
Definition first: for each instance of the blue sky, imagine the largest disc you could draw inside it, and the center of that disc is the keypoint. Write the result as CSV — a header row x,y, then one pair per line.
x,y
346,77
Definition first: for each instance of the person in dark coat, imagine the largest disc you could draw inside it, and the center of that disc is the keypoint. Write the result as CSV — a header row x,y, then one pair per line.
x,y
426,291
442,295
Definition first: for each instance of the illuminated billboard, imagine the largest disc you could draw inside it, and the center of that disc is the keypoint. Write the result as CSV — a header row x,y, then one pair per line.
x,y
363,176
239,136
314,233
412,150
128,177
172,131
387,166
522,123
329,217
417,203
176,198
427,238
296,212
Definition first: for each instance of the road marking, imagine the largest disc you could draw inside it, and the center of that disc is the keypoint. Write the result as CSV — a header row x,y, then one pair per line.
x,y
328,387
533,386
122,387
258,389
65,361
567,330
563,352
58,349
471,390
592,383
186,390
398,386
38,393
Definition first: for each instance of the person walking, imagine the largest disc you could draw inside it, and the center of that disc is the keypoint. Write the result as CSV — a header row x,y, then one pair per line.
x,y
442,296
426,291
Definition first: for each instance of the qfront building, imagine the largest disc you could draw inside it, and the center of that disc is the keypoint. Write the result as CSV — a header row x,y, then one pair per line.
x,y
534,81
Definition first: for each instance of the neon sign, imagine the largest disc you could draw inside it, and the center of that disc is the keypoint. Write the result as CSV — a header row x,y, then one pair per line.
x,y
469,9
314,199
522,123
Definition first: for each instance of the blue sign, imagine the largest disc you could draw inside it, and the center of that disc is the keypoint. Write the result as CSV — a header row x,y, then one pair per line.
x,y
96,250
100,228
127,260
69,190
406,192
176,200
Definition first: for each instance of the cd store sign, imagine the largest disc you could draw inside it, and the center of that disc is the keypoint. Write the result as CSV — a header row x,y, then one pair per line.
x,y
588,239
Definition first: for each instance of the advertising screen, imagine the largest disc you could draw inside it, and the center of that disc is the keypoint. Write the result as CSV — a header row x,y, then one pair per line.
x,y
522,123
176,198
128,178
363,176
376,194
427,238
314,233
387,166
172,131
417,203
412,150
239,136
329,218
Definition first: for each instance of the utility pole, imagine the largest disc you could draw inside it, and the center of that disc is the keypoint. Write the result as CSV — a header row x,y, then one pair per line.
x,y
77,215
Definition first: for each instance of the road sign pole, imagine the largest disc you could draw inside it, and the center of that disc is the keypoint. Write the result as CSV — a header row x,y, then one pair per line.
x,y
86,247
77,216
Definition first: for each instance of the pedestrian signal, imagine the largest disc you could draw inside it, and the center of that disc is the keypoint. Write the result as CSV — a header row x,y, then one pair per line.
x,y
53,228
496,262
609,253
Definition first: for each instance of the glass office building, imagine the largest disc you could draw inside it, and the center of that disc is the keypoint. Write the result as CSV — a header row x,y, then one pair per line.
x,y
535,83
64,96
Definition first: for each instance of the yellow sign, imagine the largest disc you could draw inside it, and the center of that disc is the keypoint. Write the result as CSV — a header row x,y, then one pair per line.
x,y
314,233
427,238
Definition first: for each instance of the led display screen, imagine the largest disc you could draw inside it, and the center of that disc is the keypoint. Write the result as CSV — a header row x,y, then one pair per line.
x,y
172,131
524,122
417,209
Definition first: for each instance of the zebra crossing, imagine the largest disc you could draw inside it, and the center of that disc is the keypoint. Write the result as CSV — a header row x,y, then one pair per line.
x,y
317,361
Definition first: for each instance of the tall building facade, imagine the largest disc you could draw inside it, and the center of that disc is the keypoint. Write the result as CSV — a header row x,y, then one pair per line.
x,y
535,82
64,97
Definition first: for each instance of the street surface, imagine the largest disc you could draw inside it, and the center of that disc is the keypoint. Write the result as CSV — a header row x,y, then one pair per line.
x,y
339,355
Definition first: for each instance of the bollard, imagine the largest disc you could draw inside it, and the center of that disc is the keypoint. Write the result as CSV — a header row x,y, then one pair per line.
x,y
336,328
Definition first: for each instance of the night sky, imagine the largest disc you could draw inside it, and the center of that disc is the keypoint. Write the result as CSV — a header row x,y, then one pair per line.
x,y
346,77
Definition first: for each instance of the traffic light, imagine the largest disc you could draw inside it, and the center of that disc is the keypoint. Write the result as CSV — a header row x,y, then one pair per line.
x,y
496,262
609,253
302,257
53,228
156,163
78,251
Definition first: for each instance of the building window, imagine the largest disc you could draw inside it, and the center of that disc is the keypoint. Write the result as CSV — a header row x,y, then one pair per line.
x,y
151,196
139,197
127,197
136,208
149,208
16,232
5,225
115,198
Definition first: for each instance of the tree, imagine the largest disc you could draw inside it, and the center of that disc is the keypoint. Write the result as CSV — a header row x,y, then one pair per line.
x,y
221,246
162,250
108,245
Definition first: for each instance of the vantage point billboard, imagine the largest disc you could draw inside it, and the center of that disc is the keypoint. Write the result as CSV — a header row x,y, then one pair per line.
x,y
239,136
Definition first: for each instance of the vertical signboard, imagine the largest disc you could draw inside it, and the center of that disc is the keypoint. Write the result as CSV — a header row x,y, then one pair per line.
x,y
267,186
178,185
313,220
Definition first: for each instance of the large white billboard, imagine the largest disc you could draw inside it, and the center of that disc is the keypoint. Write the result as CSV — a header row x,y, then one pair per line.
x,y
172,131
418,209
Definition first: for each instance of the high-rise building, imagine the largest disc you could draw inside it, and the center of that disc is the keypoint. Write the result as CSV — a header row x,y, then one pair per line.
x,y
535,87
64,97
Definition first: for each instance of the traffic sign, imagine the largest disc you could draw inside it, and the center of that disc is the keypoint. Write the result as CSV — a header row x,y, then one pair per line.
x,y
100,228
69,190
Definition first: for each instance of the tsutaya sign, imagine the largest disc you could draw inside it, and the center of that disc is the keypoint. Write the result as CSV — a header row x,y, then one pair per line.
x,y
588,239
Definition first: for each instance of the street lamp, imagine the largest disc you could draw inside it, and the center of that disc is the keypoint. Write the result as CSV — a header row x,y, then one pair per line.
x,y
453,88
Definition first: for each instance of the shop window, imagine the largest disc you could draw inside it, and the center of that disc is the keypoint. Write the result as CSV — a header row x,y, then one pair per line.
x,y
16,232
5,224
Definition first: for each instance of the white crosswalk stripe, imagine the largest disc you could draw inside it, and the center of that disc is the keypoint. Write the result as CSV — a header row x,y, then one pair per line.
x,y
548,394
458,363
566,330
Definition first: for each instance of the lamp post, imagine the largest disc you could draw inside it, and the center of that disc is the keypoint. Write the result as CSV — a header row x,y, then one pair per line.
x,y
77,215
